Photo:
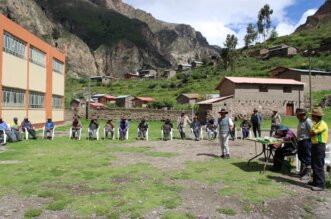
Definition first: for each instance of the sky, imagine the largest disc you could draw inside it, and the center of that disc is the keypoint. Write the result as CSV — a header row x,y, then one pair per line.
x,y
217,18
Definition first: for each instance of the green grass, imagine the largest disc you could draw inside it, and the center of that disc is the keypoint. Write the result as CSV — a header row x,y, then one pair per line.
x,y
31,213
227,211
177,215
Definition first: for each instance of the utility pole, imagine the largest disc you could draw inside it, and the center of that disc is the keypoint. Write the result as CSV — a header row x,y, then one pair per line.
x,y
310,97
89,99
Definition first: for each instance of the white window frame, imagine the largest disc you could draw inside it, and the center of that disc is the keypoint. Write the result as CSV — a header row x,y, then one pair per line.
x,y
58,66
36,100
12,97
57,102
37,57
14,46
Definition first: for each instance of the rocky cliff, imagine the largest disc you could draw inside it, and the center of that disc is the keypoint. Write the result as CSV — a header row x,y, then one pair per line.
x,y
107,37
322,16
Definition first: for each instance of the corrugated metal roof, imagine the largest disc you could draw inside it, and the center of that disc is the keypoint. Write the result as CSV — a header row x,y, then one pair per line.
x,y
214,100
191,96
300,70
97,104
147,99
110,97
246,80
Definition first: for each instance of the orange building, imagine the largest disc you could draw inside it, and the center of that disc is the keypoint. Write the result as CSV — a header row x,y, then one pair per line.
x,y
32,75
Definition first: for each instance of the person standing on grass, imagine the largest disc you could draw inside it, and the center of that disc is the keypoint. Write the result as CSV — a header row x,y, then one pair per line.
x,y
225,125
256,120
304,143
319,138
275,121
182,122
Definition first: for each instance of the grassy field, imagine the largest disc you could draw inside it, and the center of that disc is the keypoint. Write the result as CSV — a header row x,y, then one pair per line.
x,y
79,176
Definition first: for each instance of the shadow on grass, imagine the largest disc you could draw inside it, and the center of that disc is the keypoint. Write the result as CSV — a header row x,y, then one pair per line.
x,y
253,166
290,181
208,155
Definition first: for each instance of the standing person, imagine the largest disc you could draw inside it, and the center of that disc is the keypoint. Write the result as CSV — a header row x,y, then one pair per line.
x,y
93,128
27,126
123,128
109,128
245,126
304,143
15,130
275,122
256,120
225,125
49,126
319,137
211,129
166,129
76,126
182,122
142,129
196,128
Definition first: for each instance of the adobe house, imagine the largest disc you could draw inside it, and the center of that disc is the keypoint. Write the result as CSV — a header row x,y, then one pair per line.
x,y
320,79
103,79
187,98
169,73
265,94
282,50
196,64
124,101
107,99
184,67
147,73
141,101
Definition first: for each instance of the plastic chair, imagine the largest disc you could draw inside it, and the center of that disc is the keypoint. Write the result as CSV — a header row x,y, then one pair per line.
x,y
146,133
327,159
126,135
104,134
240,135
171,134
192,134
3,133
79,133
208,130
52,133
96,133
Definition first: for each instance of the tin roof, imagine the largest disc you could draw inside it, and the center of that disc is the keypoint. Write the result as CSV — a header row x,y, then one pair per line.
x,y
190,96
214,100
147,99
281,69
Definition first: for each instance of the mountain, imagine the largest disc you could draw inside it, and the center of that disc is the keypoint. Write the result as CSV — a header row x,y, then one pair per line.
x,y
107,37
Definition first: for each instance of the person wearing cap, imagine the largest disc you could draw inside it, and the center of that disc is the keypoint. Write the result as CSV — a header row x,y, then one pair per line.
x,y
75,127
196,128
123,127
275,121
256,120
304,143
109,129
289,147
27,126
142,129
245,126
49,126
182,122
225,125
15,130
319,137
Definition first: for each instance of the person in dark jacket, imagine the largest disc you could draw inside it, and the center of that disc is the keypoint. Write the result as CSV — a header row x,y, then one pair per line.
x,y
256,120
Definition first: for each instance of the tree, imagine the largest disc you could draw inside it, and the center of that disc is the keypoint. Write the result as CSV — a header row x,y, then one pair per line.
x,y
264,21
229,53
251,35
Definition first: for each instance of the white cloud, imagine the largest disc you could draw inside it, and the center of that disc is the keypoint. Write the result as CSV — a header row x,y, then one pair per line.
x,y
217,18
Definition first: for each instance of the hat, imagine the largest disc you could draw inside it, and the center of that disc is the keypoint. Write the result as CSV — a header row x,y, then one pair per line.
x,y
281,127
299,111
223,111
275,110
255,110
317,112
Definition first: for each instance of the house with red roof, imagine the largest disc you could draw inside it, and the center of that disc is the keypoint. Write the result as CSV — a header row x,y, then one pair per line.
x,y
107,99
141,101
240,95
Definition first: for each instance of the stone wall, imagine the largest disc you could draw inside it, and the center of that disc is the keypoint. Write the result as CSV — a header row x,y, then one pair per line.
x,y
133,114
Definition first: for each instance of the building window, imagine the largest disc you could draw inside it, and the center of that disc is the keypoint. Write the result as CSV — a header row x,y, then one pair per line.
x,y
263,88
36,100
14,46
57,102
58,66
13,97
37,57
287,89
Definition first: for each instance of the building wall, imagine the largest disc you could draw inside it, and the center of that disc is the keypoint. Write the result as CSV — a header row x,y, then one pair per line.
x,y
58,115
37,116
318,82
10,113
58,84
14,71
182,100
37,78
227,88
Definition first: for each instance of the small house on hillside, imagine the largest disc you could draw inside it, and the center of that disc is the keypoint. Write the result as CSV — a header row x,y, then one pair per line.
x,y
76,103
124,101
169,73
184,67
282,50
187,99
103,79
321,80
196,64
266,94
106,99
130,75
147,73
141,101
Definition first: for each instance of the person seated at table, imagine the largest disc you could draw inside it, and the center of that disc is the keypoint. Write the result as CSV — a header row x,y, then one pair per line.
x,y
109,129
76,126
196,128
142,129
211,129
123,128
49,126
245,127
283,149
27,126
93,128
15,130
166,129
